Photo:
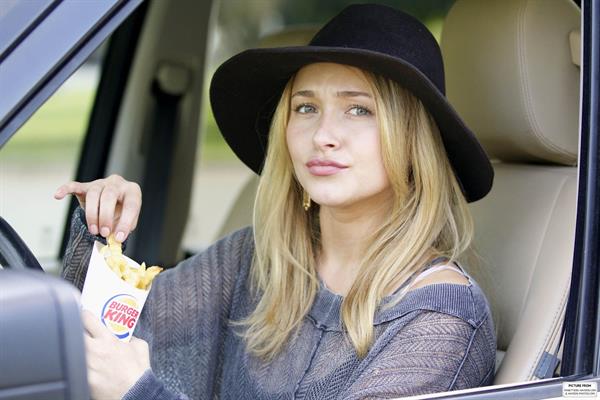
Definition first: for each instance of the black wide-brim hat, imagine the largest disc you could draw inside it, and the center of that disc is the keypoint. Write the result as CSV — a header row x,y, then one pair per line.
x,y
246,88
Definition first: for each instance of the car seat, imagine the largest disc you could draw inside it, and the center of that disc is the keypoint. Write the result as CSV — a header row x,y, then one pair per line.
x,y
512,74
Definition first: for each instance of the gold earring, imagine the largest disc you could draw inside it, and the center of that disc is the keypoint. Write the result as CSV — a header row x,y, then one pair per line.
x,y
305,200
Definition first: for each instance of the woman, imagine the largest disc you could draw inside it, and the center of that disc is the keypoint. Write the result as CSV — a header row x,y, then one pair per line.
x,y
348,285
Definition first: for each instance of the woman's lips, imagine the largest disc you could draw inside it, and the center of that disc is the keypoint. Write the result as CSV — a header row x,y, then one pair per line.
x,y
324,167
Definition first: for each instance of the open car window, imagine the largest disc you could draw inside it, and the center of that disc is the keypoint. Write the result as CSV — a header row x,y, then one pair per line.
x,y
45,151
42,46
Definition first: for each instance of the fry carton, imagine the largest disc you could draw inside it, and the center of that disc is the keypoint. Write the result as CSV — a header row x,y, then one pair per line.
x,y
115,302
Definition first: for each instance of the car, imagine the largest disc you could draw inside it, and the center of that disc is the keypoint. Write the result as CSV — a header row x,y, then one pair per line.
x,y
121,86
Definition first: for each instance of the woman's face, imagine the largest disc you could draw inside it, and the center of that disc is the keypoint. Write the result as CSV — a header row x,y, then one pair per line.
x,y
333,137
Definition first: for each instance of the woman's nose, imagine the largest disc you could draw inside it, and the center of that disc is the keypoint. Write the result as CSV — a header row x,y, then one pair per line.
x,y
325,134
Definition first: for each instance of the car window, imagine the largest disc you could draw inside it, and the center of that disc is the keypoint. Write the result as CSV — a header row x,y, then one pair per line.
x,y
219,175
45,151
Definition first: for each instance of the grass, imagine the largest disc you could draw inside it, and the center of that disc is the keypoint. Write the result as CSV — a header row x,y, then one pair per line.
x,y
55,131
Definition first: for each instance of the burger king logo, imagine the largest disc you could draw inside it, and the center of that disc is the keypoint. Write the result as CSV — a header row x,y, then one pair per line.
x,y
119,314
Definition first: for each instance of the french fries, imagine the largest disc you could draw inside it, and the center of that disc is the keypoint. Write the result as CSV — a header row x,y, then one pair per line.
x,y
140,278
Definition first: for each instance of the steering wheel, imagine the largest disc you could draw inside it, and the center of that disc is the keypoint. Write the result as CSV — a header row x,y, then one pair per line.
x,y
14,253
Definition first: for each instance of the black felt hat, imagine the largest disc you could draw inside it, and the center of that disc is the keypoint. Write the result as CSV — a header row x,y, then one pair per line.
x,y
246,88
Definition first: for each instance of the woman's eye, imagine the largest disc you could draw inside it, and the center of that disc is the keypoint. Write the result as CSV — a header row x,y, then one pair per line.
x,y
359,110
305,109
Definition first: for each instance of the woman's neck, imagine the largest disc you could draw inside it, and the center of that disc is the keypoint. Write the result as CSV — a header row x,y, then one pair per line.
x,y
345,236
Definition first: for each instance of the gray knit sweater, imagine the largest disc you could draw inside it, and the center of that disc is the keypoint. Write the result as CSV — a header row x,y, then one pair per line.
x,y
439,337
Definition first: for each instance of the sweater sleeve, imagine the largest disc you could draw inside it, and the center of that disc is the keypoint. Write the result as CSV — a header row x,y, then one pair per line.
x,y
435,352
148,387
79,250
185,315
185,320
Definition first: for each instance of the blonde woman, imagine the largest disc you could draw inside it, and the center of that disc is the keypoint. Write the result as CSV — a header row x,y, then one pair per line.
x,y
348,284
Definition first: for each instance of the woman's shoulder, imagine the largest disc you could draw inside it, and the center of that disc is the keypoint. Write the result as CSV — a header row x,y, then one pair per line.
x,y
449,291
447,317
444,273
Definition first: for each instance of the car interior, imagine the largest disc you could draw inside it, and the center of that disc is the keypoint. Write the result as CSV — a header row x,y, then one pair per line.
x,y
521,95
512,72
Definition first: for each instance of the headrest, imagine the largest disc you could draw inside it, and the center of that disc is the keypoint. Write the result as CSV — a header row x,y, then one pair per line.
x,y
511,75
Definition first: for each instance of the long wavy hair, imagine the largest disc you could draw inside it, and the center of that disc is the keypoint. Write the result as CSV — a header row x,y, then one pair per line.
x,y
428,218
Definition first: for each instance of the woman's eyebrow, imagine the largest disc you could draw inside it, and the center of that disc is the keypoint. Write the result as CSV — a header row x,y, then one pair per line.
x,y
304,93
343,93
353,93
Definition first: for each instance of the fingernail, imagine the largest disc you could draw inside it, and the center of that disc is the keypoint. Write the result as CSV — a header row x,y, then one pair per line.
x,y
120,236
93,229
104,231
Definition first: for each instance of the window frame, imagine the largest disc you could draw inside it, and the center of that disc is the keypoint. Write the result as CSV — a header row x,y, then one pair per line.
x,y
54,67
583,319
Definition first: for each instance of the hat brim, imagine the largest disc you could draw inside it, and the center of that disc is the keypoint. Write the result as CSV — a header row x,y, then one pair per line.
x,y
245,90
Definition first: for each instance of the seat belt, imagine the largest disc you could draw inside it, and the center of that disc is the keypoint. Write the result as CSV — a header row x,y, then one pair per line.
x,y
168,88
549,360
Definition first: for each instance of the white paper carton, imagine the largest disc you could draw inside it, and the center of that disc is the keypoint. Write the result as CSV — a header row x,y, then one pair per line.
x,y
116,303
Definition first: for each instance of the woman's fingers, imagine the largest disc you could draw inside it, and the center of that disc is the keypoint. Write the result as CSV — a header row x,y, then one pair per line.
x,y
108,204
82,190
112,204
130,211
121,203
92,204
93,327
75,188
88,195
113,367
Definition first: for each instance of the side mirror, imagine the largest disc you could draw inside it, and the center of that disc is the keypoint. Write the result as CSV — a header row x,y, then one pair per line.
x,y
42,354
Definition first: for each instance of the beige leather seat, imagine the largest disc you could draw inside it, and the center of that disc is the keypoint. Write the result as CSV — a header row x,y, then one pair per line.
x,y
510,74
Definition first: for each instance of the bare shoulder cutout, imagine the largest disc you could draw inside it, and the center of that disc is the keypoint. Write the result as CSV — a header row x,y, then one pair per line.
x,y
441,276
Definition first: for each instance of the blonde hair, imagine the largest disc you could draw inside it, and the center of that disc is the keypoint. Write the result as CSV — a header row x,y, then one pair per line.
x,y
429,218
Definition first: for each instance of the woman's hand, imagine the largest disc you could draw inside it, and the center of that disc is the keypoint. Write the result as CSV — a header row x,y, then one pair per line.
x,y
112,205
113,367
